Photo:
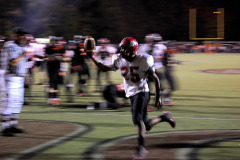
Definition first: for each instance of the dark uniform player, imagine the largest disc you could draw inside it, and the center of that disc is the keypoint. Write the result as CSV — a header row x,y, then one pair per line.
x,y
55,54
111,93
168,63
78,65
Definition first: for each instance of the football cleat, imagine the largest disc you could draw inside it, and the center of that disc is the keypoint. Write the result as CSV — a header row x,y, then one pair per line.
x,y
169,104
16,129
167,99
7,132
148,109
141,153
166,117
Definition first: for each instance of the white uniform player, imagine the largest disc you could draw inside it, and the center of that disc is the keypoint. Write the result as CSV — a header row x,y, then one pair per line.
x,y
157,50
134,73
31,51
158,53
107,51
39,62
104,52
135,69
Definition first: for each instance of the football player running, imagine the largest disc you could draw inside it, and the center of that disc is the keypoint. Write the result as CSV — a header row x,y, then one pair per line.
x,y
135,69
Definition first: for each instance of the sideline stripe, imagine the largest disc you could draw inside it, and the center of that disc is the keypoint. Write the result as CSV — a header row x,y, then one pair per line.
x,y
128,115
28,153
97,151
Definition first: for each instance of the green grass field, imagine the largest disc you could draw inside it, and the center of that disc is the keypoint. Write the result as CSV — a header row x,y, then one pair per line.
x,y
202,101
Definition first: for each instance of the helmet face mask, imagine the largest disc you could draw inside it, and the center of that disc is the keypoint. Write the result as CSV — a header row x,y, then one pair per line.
x,y
127,55
128,48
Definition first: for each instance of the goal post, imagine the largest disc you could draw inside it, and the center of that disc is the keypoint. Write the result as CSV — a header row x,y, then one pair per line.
x,y
193,25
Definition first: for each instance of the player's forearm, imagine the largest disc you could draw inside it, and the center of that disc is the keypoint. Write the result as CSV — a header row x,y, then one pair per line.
x,y
156,81
15,61
157,86
157,91
101,66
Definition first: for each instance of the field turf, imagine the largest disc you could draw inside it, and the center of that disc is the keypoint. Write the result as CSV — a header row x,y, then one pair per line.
x,y
202,101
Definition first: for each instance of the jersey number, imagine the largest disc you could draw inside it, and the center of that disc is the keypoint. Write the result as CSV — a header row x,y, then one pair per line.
x,y
134,76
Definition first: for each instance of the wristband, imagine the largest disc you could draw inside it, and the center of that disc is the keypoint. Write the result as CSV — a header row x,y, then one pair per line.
x,y
93,58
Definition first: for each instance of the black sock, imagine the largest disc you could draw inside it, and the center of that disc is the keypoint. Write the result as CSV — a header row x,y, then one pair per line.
x,y
50,95
141,141
55,95
163,118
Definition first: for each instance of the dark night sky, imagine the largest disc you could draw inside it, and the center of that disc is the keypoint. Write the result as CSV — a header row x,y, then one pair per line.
x,y
118,18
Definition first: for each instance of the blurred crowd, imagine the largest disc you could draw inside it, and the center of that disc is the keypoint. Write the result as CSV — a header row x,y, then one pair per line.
x,y
56,57
204,47
58,60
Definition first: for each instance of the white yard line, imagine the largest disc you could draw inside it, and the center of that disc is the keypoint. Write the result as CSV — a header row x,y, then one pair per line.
x,y
181,154
41,147
128,115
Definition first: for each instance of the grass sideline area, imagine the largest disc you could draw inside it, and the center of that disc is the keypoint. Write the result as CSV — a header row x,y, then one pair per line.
x,y
202,101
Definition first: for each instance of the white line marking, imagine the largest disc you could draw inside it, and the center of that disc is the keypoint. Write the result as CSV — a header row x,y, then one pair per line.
x,y
99,153
183,153
128,115
81,128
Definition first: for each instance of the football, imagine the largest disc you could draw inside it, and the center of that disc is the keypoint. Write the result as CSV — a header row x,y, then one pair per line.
x,y
89,44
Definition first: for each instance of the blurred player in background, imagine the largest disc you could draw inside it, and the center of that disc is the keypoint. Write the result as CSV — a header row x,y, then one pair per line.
x,y
31,52
15,84
135,69
55,54
169,62
34,53
78,65
158,50
39,62
111,93
104,53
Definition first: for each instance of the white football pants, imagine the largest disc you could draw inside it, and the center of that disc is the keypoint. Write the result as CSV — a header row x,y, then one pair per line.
x,y
15,90
3,91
